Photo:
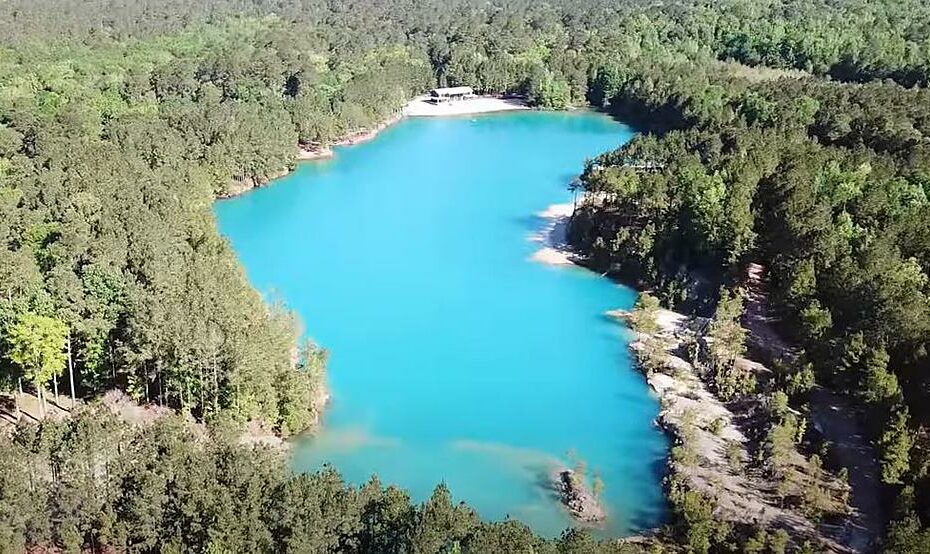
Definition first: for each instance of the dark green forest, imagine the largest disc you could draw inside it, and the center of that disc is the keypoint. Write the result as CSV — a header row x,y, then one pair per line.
x,y
171,488
791,133
825,183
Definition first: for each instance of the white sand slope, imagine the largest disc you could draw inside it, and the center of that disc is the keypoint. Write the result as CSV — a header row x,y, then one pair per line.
x,y
419,107
552,237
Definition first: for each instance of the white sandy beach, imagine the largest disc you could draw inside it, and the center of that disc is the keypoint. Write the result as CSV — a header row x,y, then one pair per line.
x,y
419,107
553,236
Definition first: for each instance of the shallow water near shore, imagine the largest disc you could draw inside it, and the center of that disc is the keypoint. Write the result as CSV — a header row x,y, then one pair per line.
x,y
453,356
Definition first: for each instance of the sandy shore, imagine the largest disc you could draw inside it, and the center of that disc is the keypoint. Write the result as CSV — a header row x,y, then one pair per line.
x,y
317,152
720,469
554,236
419,107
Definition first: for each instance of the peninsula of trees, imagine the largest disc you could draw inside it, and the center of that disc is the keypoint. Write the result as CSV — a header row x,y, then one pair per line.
x,y
793,134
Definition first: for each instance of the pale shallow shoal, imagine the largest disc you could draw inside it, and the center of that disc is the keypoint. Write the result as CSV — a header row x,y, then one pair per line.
x,y
553,237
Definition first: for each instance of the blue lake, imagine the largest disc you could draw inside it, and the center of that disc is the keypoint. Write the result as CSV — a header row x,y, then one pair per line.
x,y
453,356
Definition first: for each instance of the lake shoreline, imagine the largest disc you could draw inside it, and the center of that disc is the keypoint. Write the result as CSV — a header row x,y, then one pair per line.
x,y
492,103
480,105
553,237
416,107
689,409
712,448
384,182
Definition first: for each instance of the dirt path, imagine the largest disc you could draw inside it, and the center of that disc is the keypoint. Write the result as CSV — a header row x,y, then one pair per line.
x,y
837,421
834,417
757,318
30,407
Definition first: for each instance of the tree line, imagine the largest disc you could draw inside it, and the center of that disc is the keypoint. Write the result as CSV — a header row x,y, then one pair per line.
x,y
823,182
121,122
96,483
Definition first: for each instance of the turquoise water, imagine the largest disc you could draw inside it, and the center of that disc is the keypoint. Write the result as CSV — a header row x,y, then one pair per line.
x,y
453,356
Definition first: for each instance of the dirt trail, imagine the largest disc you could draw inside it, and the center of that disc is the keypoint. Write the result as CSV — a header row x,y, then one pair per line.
x,y
839,423
30,408
757,318
834,417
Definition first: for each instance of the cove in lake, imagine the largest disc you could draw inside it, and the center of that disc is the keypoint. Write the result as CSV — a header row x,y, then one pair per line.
x,y
453,356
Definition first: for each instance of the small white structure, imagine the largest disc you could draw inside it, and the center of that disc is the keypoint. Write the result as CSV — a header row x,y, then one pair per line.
x,y
428,106
438,95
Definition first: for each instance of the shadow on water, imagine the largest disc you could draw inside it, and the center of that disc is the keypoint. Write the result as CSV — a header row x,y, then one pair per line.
x,y
542,479
537,463
534,223
639,126
659,468
568,178
654,518
644,520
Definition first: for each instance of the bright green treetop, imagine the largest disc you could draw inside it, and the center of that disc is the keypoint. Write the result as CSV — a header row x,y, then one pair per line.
x,y
37,346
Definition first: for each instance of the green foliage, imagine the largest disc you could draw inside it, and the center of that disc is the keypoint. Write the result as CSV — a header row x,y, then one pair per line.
x,y
726,331
785,430
548,92
879,384
696,526
717,425
816,499
905,534
643,320
36,343
894,446
734,455
643,316
730,381
106,208
169,487
300,392
441,525
778,542
726,339
795,377
120,122
815,320
757,543
822,182
653,355
801,380
506,536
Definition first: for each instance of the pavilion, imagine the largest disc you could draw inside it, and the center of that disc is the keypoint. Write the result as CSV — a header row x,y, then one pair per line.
x,y
438,95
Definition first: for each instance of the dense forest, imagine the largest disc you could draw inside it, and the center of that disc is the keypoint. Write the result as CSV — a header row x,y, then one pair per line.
x,y
108,486
791,133
824,183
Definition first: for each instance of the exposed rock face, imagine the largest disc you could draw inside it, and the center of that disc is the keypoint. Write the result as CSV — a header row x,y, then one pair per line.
x,y
581,503
720,448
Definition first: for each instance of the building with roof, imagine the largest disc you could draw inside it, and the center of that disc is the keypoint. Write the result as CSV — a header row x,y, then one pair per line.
x,y
448,94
